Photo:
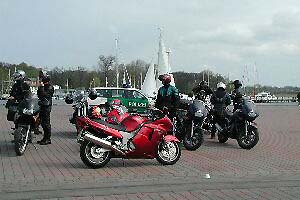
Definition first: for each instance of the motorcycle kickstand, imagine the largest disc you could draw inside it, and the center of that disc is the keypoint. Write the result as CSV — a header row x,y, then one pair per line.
x,y
123,162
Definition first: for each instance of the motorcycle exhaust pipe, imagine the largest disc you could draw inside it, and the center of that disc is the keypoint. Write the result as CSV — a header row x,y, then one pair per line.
x,y
103,143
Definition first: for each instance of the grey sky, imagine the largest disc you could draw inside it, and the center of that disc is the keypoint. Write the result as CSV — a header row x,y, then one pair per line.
x,y
223,35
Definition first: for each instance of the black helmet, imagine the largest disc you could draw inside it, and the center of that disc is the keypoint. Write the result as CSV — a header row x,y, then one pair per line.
x,y
69,99
237,83
44,76
19,75
93,94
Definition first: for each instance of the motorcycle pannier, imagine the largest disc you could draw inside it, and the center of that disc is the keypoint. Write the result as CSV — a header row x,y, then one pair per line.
x,y
11,115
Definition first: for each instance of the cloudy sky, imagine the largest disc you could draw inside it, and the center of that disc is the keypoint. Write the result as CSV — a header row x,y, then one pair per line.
x,y
221,35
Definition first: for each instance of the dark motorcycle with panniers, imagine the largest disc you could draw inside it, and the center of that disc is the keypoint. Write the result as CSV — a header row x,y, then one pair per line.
x,y
25,115
188,124
240,125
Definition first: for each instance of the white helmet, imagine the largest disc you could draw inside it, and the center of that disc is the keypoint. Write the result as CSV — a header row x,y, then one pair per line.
x,y
221,85
19,75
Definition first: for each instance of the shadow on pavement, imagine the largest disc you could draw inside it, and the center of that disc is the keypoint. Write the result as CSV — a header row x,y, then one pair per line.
x,y
215,143
66,135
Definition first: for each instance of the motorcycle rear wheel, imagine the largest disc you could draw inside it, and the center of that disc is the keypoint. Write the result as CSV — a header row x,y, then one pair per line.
x,y
168,153
93,155
193,143
249,141
21,136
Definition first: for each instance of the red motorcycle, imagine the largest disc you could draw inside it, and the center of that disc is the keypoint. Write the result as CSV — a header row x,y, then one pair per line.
x,y
135,137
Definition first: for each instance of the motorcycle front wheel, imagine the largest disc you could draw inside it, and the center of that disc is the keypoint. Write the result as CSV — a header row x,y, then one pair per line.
x,y
194,142
21,136
168,153
93,155
250,140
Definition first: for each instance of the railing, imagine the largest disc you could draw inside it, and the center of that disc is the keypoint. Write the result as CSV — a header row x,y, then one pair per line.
x,y
277,100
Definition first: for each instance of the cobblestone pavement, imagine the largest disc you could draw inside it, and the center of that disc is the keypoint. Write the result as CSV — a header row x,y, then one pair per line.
x,y
271,170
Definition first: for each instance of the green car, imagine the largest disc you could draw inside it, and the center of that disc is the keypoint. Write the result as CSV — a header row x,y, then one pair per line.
x,y
133,99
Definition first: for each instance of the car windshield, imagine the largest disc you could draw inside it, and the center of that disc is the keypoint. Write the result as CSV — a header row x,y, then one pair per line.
x,y
118,93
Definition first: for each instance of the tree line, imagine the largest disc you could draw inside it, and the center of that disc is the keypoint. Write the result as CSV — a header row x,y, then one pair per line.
x,y
134,72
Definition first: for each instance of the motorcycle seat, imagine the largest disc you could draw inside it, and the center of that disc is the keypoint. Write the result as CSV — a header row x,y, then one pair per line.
x,y
118,127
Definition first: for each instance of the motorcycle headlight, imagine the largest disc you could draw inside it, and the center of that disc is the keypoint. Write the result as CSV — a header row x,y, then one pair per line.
x,y
199,113
28,111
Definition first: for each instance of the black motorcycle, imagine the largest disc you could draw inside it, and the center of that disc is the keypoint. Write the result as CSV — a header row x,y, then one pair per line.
x,y
25,115
240,125
188,125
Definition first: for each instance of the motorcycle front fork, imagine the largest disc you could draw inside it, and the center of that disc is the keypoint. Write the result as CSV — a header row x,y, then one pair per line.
x,y
192,128
246,128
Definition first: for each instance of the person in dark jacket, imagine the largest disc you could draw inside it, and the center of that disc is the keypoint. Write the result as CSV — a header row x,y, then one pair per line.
x,y
45,94
202,87
236,94
220,100
167,96
20,89
298,98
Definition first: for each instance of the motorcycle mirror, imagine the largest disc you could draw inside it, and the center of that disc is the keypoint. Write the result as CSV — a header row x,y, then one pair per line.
x,y
69,99
93,95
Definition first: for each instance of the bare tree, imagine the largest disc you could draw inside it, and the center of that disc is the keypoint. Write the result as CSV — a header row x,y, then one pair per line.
x,y
106,63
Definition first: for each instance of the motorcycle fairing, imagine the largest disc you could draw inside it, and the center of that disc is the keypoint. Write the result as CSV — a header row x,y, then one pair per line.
x,y
132,122
144,146
104,127
170,138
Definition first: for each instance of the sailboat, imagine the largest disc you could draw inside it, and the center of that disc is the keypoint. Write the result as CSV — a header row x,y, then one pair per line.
x,y
163,64
151,83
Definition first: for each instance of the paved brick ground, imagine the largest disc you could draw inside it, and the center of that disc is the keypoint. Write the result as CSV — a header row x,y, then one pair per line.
x,y
269,171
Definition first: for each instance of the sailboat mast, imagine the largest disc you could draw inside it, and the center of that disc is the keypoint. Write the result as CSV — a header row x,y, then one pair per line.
x,y
168,53
208,77
255,74
141,80
117,67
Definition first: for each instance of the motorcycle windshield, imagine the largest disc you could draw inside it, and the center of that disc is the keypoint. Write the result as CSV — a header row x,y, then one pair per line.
x,y
198,107
29,103
249,106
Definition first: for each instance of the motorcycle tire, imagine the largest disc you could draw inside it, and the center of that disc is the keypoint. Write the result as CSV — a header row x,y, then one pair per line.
x,y
252,131
91,157
192,144
164,148
21,136
78,129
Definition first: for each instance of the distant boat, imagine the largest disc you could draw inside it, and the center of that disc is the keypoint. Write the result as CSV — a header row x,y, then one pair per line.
x,y
163,63
151,83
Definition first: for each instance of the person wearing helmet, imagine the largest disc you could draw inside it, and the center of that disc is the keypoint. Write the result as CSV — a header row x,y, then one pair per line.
x,y
45,94
220,100
198,90
167,96
20,89
236,94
